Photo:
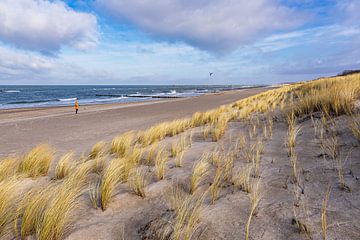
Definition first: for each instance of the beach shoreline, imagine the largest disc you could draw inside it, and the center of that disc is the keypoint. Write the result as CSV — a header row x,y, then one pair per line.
x,y
25,128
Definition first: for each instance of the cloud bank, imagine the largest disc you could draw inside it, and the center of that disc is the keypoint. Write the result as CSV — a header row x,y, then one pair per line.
x,y
213,25
45,26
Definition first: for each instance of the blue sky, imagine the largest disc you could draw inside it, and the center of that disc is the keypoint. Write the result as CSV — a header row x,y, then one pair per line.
x,y
176,41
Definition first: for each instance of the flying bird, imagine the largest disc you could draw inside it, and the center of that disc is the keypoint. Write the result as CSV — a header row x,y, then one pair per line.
x,y
210,73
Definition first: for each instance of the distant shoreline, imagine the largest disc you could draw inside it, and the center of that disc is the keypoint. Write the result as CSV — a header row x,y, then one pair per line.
x,y
137,99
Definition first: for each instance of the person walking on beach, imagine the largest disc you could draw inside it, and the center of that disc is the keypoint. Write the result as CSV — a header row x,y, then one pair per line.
x,y
76,106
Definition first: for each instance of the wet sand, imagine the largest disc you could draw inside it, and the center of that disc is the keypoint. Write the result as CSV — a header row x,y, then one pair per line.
x,y
22,129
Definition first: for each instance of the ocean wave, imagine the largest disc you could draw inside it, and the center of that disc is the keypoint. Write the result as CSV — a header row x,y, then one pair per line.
x,y
103,89
12,91
28,101
109,99
66,99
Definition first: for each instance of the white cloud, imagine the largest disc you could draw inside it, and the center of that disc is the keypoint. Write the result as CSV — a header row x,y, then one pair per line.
x,y
351,9
45,26
15,64
218,26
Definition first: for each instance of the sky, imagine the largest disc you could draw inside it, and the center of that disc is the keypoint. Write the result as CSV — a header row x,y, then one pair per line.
x,y
171,42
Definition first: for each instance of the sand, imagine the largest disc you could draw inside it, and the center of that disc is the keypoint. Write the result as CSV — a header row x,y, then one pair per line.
x,y
22,129
131,217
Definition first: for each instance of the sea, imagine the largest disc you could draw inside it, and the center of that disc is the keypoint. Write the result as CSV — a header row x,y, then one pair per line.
x,y
25,96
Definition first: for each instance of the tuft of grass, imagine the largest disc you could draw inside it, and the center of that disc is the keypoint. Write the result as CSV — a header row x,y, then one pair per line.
x,y
228,167
8,167
64,166
138,180
293,131
149,159
200,171
214,188
32,207
330,146
176,148
294,164
160,164
324,224
187,216
242,178
94,193
178,159
255,197
60,213
206,131
37,162
122,143
340,171
9,196
116,171
98,150
134,156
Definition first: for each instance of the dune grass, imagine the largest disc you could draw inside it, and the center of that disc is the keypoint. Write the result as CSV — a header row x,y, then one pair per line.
x,y
37,162
187,216
324,223
8,167
116,172
255,197
98,150
122,143
9,196
215,185
178,159
160,164
199,173
32,207
138,180
149,159
60,213
64,166
242,178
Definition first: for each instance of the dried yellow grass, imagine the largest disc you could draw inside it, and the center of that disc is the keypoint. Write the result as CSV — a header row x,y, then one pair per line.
x,y
214,188
64,166
116,172
37,162
255,197
187,217
122,143
324,224
178,159
242,178
200,171
60,213
32,207
160,164
149,160
98,150
138,180
8,167
9,196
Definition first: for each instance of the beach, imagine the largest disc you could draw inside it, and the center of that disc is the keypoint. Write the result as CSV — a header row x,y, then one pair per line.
x,y
22,129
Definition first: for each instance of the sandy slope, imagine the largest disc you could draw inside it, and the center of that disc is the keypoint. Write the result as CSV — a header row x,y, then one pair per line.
x,y
131,217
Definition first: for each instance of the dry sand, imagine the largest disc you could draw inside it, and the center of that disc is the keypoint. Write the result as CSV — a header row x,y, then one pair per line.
x,y
22,129
131,217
